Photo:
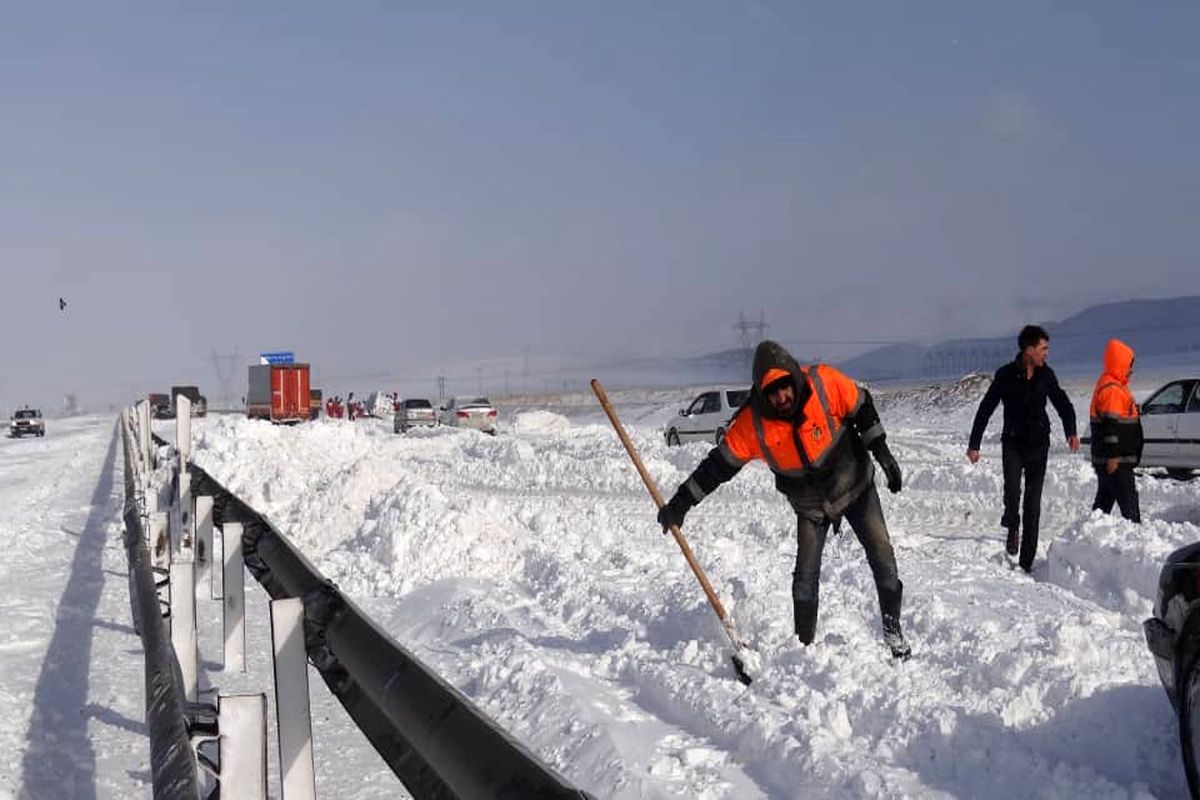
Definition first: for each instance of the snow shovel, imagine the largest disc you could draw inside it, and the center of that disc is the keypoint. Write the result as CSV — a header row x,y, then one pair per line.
x,y
739,647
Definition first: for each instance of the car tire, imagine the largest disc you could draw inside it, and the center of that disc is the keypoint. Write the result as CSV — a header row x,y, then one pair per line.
x,y
673,438
1189,726
1180,474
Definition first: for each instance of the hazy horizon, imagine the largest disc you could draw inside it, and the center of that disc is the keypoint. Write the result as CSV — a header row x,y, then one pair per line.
x,y
392,189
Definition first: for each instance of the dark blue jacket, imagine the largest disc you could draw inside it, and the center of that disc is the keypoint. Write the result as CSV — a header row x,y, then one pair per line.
x,y
1025,420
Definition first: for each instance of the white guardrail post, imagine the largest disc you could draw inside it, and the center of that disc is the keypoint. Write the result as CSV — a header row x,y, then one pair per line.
x,y
143,435
204,545
242,722
234,606
160,545
183,625
294,722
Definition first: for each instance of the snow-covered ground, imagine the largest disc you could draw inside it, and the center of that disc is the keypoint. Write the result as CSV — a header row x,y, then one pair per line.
x,y
528,570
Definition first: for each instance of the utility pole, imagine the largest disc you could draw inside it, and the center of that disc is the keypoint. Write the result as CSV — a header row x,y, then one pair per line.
x,y
224,366
441,387
750,332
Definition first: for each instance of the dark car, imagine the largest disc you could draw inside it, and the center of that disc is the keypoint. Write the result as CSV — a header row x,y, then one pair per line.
x,y
1173,636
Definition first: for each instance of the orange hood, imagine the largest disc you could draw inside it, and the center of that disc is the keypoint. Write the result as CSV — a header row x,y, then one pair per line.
x,y
1118,362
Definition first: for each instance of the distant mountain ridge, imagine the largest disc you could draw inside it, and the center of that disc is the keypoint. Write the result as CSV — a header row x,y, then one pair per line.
x,y
1151,327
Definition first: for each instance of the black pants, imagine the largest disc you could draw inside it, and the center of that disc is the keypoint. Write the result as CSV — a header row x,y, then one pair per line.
x,y
1030,460
1120,488
866,519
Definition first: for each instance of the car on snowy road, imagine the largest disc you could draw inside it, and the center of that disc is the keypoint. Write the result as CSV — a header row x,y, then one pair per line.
x,y
26,422
414,412
1171,428
707,417
469,412
1173,636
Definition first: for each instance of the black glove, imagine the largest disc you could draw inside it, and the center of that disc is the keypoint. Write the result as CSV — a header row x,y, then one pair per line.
x,y
676,509
887,463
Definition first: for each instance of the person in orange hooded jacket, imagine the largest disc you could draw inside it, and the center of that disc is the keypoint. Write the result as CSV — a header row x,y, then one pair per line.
x,y
813,426
1116,434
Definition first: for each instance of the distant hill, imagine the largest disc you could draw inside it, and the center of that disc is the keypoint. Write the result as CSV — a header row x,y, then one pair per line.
x,y
1152,327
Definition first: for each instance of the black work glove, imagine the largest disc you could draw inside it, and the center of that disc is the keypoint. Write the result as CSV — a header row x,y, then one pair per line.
x,y
887,463
676,509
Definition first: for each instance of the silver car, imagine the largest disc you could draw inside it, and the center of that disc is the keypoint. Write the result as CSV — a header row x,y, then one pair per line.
x,y
707,417
414,412
1171,427
26,422
469,412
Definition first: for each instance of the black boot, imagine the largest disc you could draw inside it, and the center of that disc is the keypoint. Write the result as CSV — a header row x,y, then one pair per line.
x,y
1013,543
889,606
894,638
806,620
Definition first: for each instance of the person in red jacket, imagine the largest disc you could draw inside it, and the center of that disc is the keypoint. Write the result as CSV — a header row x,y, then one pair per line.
x,y
813,427
1116,434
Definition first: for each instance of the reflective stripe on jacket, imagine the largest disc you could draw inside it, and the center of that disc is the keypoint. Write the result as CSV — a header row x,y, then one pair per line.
x,y
790,449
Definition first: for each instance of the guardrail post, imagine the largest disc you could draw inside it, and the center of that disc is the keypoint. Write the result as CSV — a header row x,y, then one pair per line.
x,y
218,560
160,543
242,722
234,606
143,434
293,717
204,544
183,427
183,624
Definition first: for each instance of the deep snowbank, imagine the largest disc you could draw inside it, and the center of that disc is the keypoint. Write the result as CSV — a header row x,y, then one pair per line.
x,y
528,569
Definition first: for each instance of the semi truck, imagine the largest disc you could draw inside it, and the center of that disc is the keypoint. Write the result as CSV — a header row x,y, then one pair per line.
x,y
278,392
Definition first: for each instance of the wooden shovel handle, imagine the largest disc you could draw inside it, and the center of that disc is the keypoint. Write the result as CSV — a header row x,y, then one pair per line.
x,y
713,600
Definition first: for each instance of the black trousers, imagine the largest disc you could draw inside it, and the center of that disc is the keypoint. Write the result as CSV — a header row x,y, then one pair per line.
x,y
866,520
1120,488
1029,460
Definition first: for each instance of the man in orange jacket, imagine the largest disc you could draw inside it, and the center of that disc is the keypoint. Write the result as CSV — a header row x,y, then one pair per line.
x,y
1116,434
813,426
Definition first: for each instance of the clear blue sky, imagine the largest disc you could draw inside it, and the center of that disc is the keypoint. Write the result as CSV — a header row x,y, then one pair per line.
x,y
414,185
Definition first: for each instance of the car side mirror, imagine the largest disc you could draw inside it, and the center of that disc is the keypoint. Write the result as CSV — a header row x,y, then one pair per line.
x,y
683,412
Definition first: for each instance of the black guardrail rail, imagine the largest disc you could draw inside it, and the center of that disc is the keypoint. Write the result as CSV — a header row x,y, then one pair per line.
x,y
172,761
435,740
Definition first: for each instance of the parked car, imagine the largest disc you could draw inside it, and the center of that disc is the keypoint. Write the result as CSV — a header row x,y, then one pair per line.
x,y
469,412
413,412
1173,636
27,421
707,417
1171,426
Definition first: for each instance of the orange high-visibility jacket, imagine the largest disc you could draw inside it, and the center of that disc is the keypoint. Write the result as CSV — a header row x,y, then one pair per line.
x,y
1116,427
791,449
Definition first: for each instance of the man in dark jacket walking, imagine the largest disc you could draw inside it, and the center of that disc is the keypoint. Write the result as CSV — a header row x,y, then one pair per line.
x,y
813,426
1024,385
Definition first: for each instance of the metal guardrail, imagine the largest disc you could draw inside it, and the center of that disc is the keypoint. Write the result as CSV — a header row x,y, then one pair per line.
x,y
172,760
435,740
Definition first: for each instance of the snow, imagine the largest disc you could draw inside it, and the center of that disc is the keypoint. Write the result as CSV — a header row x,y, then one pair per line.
x,y
528,570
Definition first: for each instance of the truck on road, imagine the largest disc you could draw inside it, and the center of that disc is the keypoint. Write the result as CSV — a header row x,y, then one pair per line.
x,y
278,392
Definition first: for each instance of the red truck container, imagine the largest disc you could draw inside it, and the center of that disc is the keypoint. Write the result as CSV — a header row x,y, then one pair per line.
x,y
278,392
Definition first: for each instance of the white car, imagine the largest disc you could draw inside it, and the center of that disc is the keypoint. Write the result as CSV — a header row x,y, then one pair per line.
x,y
26,422
1171,427
469,412
414,412
708,416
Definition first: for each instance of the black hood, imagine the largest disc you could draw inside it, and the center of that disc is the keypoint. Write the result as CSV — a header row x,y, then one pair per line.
x,y
771,355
